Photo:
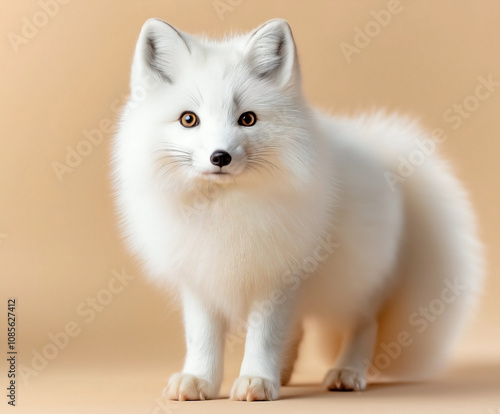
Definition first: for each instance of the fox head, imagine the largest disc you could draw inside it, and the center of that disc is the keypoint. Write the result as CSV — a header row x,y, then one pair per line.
x,y
229,111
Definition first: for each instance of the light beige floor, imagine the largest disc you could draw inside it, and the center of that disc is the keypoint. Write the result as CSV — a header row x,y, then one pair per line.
x,y
468,387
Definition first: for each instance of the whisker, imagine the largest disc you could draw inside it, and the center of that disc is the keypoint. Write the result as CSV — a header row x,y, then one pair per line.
x,y
172,158
257,164
258,159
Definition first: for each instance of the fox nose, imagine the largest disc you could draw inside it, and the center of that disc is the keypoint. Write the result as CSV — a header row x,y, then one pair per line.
x,y
220,158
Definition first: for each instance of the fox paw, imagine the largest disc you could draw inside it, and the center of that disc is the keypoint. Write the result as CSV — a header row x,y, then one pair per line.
x,y
247,388
345,379
184,387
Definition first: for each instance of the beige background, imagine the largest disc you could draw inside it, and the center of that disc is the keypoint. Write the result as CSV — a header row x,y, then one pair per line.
x,y
58,238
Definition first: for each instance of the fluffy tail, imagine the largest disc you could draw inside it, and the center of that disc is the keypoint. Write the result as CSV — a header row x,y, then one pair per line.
x,y
440,276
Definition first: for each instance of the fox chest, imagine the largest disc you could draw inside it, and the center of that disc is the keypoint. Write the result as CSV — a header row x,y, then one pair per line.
x,y
239,251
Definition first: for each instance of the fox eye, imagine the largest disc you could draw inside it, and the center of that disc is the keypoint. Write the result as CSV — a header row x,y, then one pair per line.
x,y
189,119
247,119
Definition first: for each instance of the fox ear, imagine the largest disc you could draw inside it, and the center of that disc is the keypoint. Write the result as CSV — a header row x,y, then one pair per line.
x,y
271,52
159,51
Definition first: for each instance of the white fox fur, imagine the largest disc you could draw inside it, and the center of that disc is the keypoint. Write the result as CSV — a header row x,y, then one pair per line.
x,y
308,221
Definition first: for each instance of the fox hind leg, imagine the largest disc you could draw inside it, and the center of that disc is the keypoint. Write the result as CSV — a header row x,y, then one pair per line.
x,y
350,371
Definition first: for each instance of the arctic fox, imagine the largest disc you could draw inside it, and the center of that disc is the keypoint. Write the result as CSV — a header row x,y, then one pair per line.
x,y
254,206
